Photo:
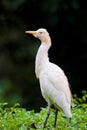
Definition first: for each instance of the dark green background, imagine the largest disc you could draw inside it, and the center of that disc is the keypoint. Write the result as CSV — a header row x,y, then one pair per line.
x,y
67,25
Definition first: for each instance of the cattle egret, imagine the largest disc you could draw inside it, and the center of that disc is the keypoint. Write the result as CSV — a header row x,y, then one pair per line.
x,y
53,82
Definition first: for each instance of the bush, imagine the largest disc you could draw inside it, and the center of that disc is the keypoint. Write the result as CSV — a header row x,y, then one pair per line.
x,y
16,118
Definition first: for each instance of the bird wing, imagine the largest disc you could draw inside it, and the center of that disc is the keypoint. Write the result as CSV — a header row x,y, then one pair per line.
x,y
58,79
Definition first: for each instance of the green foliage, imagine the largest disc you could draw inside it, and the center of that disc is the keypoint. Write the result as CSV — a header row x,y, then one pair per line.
x,y
16,118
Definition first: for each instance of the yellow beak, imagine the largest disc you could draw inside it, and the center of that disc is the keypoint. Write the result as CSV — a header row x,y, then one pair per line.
x,y
31,32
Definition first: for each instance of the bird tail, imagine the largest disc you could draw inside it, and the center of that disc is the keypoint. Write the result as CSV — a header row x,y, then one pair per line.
x,y
67,112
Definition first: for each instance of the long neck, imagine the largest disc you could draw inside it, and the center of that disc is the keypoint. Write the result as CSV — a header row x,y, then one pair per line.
x,y
42,58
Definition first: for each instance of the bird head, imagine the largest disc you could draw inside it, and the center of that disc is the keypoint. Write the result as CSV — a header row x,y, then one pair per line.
x,y
41,34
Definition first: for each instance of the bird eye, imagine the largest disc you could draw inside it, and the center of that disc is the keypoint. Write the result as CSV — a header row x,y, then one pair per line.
x,y
40,32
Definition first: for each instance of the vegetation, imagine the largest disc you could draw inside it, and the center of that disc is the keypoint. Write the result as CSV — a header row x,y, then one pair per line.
x,y
16,118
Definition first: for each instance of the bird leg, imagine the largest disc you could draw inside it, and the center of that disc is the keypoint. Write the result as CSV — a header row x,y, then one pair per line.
x,y
56,112
48,113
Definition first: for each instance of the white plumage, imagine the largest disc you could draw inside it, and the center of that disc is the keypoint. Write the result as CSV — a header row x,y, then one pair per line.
x,y
53,82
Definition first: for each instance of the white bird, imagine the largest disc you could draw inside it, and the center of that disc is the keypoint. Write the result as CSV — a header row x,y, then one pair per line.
x,y
53,82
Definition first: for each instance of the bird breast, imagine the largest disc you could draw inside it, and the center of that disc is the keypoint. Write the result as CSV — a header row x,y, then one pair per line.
x,y
40,65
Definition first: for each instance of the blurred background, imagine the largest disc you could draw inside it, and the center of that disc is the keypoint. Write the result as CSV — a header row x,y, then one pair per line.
x,y
67,24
